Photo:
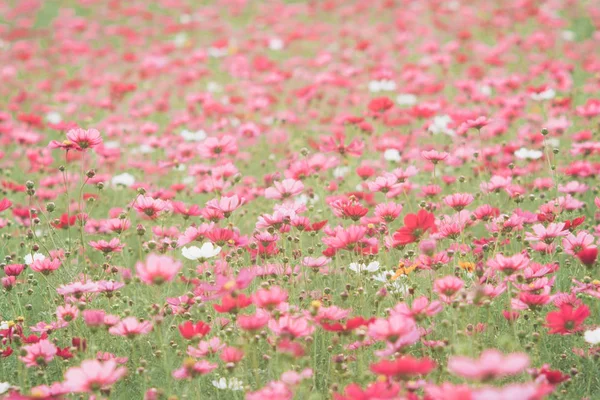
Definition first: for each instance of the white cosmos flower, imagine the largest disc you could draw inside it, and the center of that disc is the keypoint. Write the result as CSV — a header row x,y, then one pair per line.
x,y
340,172
36,256
569,36
382,86
547,94
53,117
217,52
231,384
144,149
392,155
372,267
213,87
4,386
112,144
4,325
197,136
527,154
381,277
485,90
124,179
208,250
406,99
180,39
275,44
592,337
398,287
304,199
440,125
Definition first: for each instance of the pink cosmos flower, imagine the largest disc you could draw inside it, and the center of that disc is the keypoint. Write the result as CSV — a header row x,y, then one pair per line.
x,y
191,369
157,269
5,204
491,365
509,265
575,244
214,147
421,307
67,313
336,143
459,201
388,212
84,138
94,318
93,375
398,329
113,246
345,237
292,327
447,287
226,205
383,184
117,225
434,156
275,390
253,322
269,298
231,355
546,234
212,346
77,289
130,327
315,263
149,207
38,354
284,189
45,266
523,391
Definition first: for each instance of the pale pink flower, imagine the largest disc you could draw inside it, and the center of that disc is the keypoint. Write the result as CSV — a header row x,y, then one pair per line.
x,y
291,326
284,189
546,234
93,376
130,327
157,269
38,354
84,138
490,365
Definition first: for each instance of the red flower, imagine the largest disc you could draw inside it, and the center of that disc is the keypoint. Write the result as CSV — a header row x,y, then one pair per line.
x,y
380,104
415,225
554,377
79,343
4,204
31,339
317,226
377,390
65,221
231,355
354,211
350,325
6,352
189,330
588,256
567,320
230,304
570,225
403,366
64,353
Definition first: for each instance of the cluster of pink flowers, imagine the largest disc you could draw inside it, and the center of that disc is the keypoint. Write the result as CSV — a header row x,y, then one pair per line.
x,y
358,200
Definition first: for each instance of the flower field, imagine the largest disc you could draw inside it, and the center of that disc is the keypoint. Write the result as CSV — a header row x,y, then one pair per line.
x,y
277,200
